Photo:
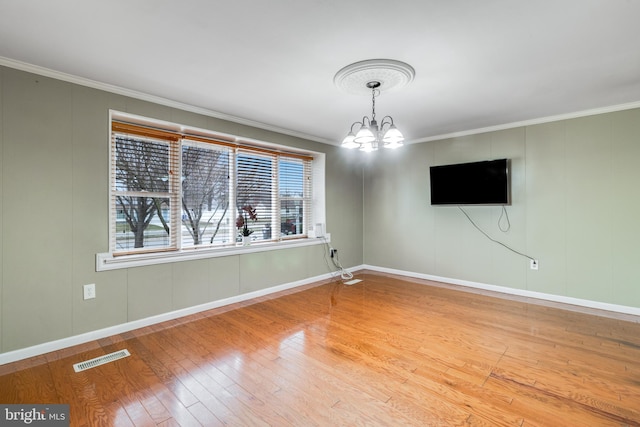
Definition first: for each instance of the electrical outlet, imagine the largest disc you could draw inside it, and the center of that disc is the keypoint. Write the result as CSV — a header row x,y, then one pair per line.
x,y
534,264
89,291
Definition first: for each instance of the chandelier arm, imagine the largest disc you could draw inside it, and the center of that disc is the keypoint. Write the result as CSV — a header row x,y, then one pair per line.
x,y
383,122
356,123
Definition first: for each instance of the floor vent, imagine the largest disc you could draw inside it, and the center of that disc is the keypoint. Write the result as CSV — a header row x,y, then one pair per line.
x,y
88,364
353,282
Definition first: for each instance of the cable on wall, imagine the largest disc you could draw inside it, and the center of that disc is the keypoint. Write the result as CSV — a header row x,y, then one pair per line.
x,y
344,274
491,238
504,215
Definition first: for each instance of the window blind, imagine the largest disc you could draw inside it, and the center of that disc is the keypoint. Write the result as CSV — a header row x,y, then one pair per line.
x,y
255,184
144,192
206,211
294,195
173,191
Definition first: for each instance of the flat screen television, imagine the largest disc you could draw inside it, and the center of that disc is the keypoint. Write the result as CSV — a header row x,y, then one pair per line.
x,y
477,183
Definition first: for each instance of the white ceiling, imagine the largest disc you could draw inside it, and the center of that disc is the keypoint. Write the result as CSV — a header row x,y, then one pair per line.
x,y
478,64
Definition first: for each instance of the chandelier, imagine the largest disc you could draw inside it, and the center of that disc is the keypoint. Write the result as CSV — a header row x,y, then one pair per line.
x,y
369,135
372,77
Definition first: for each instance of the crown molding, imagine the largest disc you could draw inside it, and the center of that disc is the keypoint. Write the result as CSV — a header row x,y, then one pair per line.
x,y
70,78
35,69
531,122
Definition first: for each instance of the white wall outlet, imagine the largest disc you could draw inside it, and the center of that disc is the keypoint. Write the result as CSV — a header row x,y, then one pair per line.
x,y
534,264
89,291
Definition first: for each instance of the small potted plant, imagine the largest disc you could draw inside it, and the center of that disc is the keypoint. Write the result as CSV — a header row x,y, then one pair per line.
x,y
242,223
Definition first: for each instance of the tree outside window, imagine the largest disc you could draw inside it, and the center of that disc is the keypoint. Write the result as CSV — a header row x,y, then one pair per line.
x,y
178,193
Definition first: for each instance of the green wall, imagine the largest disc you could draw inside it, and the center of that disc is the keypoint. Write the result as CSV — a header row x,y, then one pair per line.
x,y
54,140
575,204
575,208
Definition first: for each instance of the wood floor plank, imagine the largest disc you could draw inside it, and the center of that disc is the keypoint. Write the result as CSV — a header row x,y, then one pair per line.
x,y
218,400
136,411
199,383
541,408
204,416
388,351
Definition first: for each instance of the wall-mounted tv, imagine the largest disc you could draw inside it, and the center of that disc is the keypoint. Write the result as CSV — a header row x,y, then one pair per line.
x,y
477,183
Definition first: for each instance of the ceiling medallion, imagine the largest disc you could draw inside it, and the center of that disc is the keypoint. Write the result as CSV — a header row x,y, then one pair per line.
x,y
389,73
372,77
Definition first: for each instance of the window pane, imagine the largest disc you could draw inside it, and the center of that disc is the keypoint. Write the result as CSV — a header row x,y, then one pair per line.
x,y
141,222
254,188
292,193
141,165
205,195
291,217
291,178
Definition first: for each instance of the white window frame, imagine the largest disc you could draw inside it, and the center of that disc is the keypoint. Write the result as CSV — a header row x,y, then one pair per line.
x,y
316,218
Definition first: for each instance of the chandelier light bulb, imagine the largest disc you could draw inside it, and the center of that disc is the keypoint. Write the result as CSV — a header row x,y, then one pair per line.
x,y
368,147
348,141
364,135
393,137
393,145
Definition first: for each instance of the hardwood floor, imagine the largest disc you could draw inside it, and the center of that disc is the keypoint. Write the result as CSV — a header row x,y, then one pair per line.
x,y
386,351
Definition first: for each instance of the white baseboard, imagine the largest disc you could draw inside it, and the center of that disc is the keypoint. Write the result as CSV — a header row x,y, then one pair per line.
x,y
37,350
623,309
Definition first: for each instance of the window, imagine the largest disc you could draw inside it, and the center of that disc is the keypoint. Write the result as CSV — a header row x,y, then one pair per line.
x,y
143,193
205,194
176,191
294,180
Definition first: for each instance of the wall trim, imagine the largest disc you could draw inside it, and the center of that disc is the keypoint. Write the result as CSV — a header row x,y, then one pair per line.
x,y
571,301
70,78
40,349
532,122
106,261
82,81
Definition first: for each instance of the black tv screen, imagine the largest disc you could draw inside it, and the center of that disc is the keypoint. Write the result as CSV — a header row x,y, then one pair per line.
x,y
476,183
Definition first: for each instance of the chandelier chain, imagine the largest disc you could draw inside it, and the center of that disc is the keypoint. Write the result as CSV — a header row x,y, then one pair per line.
x,y
370,134
373,104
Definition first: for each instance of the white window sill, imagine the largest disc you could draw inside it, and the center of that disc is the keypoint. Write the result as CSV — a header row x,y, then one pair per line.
x,y
106,261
